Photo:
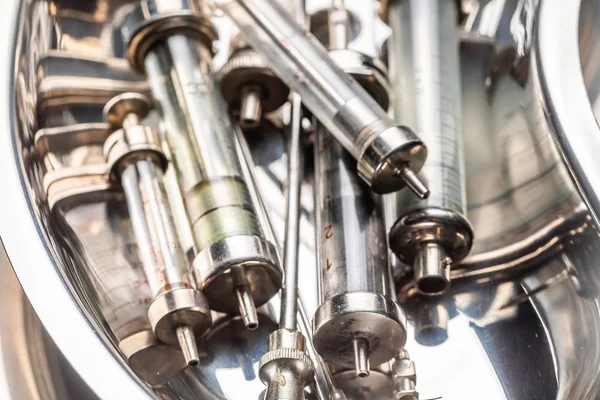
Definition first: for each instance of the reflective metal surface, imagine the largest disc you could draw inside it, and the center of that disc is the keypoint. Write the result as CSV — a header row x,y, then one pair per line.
x,y
521,320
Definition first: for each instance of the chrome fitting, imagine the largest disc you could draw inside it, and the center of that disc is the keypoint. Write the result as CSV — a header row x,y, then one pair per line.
x,y
385,158
405,378
286,369
152,20
245,266
431,240
371,323
133,140
249,74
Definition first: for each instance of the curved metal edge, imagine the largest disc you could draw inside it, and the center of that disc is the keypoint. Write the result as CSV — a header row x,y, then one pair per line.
x,y
558,75
32,260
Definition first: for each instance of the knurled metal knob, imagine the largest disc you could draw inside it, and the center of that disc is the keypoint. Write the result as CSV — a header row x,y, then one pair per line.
x,y
286,369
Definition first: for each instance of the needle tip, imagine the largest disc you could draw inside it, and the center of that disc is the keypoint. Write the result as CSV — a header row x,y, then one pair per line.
x,y
361,358
414,183
247,308
187,342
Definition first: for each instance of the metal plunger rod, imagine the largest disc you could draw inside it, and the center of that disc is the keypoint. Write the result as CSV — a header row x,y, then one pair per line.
x,y
289,304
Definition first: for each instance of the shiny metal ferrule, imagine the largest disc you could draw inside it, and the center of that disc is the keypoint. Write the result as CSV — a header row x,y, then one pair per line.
x,y
286,369
176,308
128,145
237,263
405,378
133,141
152,20
376,319
250,87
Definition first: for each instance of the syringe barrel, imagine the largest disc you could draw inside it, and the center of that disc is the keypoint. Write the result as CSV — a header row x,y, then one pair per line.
x,y
201,139
425,77
424,66
351,242
336,99
154,226
354,281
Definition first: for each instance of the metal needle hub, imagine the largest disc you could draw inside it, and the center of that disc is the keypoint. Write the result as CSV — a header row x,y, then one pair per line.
x,y
413,182
187,342
247,307
251,108
361,358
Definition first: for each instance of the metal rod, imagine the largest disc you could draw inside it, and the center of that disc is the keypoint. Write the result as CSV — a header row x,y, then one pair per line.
x,y
338,23
289,304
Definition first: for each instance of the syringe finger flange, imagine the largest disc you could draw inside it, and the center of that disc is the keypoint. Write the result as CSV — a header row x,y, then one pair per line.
x,y
152,20
374,318
217,268
412,236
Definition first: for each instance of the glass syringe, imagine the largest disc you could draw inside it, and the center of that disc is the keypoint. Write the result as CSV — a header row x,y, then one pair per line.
x,y
178,311
235,267
429,235
388,156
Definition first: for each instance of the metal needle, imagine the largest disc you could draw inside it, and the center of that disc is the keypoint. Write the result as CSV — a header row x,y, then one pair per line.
x,y
361,358
413,182
187,342
247,307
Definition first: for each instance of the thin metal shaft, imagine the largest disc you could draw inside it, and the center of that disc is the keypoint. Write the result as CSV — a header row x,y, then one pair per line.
x,y
361,358
247,307
289,303
187,342
413,182
251,108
